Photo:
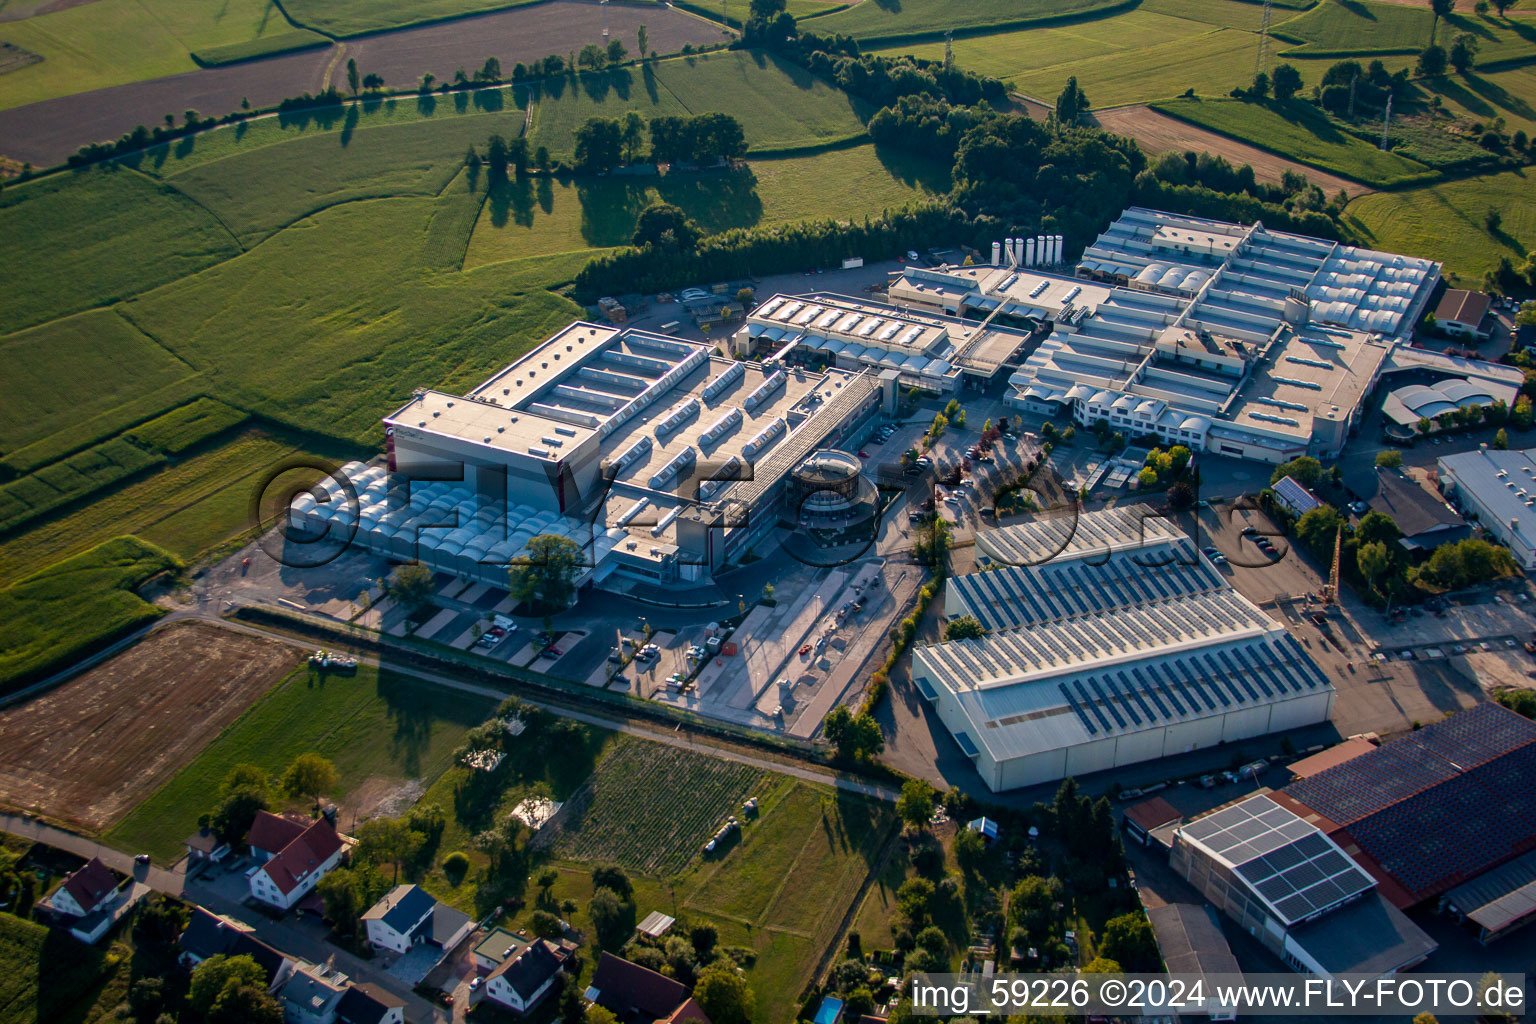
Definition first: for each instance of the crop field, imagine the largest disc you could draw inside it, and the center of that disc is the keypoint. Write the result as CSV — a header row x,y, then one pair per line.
x,y
1211,64
1445,222
29,497
1300,132
186,507
1363,27
1009,54
264,46
74,607
888,20
542,215
89,750
121,232
648,807
779,105
186,426
110,42
374,725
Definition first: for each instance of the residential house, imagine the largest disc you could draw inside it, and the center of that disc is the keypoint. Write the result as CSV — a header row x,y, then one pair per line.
x,y
277,966
292,872
499,944
85,891
208,934
409,921
689,1013
634,993
366,1003
270,832
522,980
312,994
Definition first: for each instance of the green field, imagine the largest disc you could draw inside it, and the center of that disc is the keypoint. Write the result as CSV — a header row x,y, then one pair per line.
x,y
1445,222
779,105
355,17
1298,131
111,42
374,725
186,507
1484,96
50,978
1362,27
1009,54
894,19
542,215
1211,64
119,232
264,46
74,607
188,425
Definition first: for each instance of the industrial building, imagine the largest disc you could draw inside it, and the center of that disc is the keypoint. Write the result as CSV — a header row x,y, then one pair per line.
x,y
1157,657
1226,338
1434,809
662,461
1496,490
1287,884
1404,408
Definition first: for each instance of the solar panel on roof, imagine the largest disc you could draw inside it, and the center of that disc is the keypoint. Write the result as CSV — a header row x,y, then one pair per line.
x,y
1311,844
1293,908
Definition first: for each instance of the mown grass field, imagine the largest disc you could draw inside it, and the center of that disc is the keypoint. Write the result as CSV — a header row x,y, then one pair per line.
x,y
355,17
1445,222
73,607
883,19
373,725
1300,132
110,42
1010,54
1362,27
1210,64
542,215
779,105
1484,96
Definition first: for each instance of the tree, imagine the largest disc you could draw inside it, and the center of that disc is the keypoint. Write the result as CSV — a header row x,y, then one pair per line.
x,y
1441,9
1306,471
211,977
1181,496
545,925
608,876
592,56
1377,528
1260,87
1390,458
1502,5
599,145
310,775
612,917
856,737
966,627
1501,440
642,41
913,899
546,575
915,805
1128,940
1463,52
667,227
1032,906
1147,477
496,159
1374,561
1493,220
1286,82
1072,104
1521,417
970,848
1432,61
245,1003
1527,315
616,52
344,900
389,841
352,75
411,585
242,793
633,136
490,71
723,994
372,81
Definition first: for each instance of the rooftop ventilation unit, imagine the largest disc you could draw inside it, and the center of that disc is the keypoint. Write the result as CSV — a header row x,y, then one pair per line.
x,y
720,384
765,390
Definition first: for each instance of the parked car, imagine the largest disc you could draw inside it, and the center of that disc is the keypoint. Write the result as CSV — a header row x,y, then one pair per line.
x,y
142,858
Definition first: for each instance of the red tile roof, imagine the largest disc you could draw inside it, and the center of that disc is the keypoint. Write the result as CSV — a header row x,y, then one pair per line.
x,y
629,989
1149,814
91,884
689,1013
271,832
313,847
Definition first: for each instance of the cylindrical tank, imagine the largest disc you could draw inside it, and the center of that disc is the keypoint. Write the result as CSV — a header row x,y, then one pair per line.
x,y
1056,249
1013,252
997,249
1029,252
1042,250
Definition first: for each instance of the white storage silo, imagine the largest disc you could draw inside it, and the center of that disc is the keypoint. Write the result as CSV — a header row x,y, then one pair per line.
x,y
1043,249
1029,252
997,251
1056,249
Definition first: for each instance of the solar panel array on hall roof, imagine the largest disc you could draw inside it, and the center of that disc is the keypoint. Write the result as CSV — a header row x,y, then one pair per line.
x,y
1423,759
1192,684
1440,805
1024,595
